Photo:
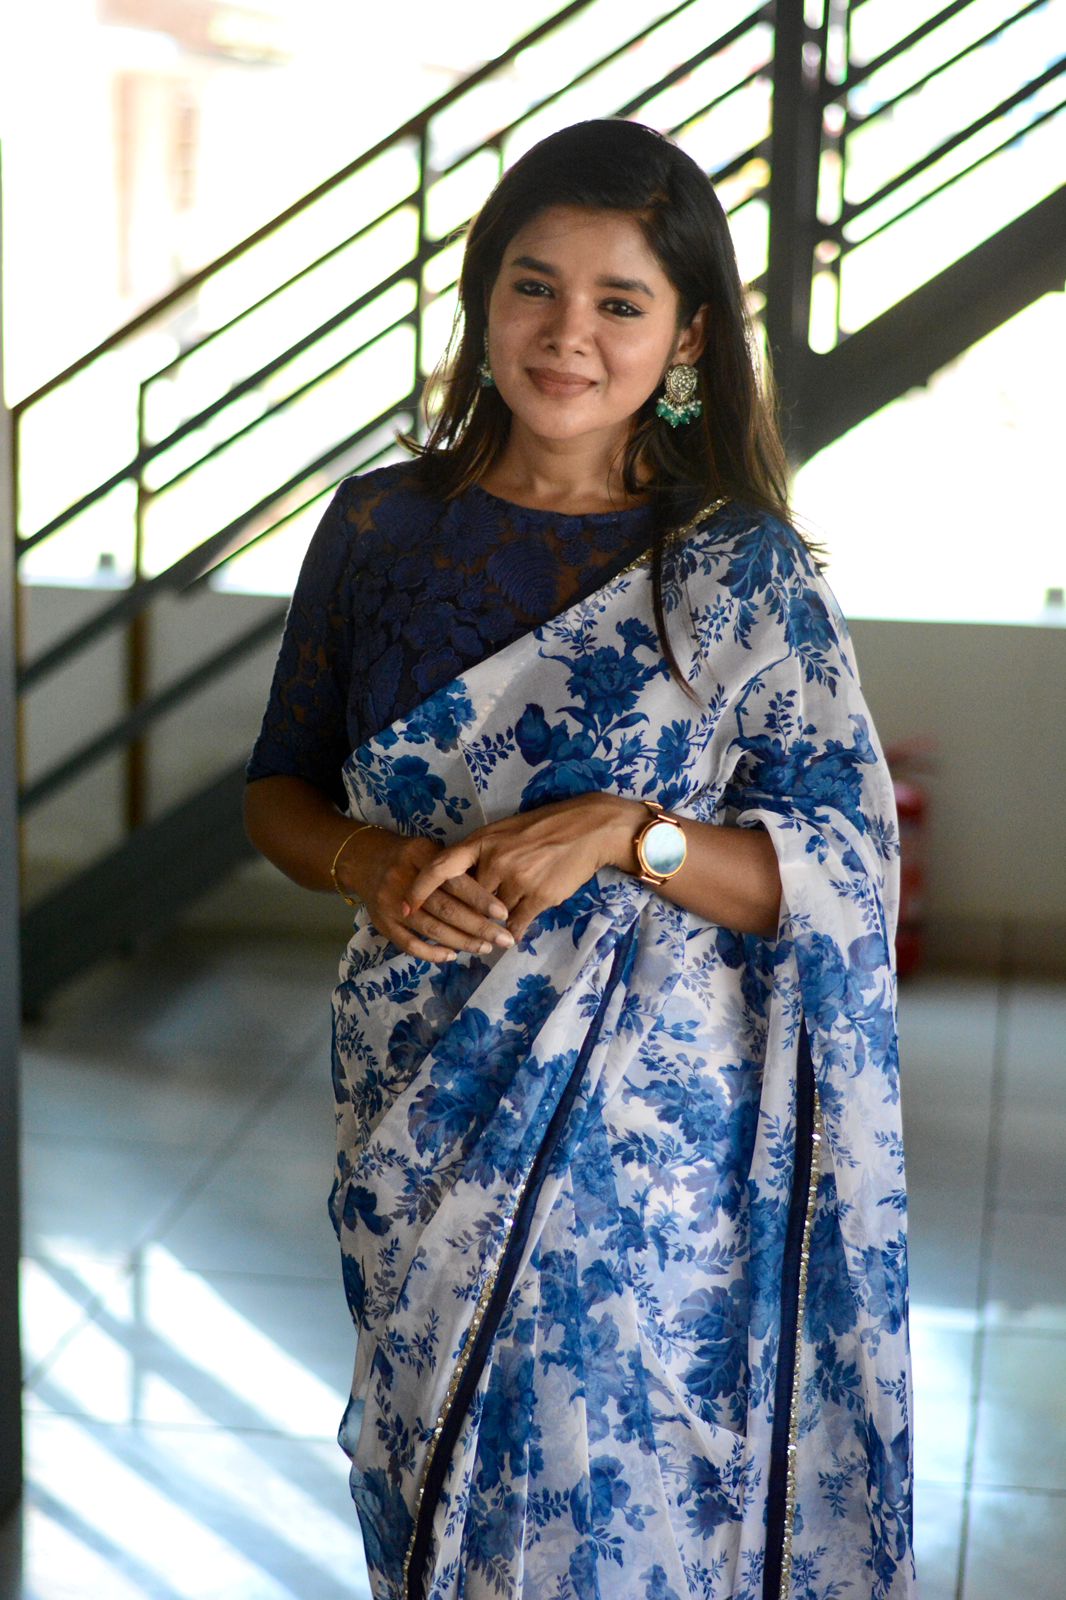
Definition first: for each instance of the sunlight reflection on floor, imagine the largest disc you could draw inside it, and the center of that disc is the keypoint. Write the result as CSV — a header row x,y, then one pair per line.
x,y
181,1413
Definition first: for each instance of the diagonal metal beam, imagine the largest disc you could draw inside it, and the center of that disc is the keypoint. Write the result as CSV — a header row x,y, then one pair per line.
x,y
902,348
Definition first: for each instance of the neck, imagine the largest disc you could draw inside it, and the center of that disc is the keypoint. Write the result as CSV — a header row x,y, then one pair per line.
x,y
572,475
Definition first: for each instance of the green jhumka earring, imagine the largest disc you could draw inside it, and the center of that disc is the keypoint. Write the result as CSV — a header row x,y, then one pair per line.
x,y
680,402
484,371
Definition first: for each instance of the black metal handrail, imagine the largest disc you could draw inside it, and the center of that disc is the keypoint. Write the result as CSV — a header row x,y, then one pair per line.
x,y
986,156
407,130
148,450
187,570
842,234
868,69
136,722
255,523
858,73
853,209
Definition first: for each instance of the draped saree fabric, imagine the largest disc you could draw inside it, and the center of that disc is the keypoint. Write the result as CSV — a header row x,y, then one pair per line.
x,y
621,1209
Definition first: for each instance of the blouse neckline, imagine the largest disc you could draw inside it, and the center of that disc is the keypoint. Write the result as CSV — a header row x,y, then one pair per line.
x,y
562,516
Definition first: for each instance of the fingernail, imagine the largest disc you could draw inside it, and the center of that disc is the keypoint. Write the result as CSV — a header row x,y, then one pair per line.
x,y
503,937
498,911
484,948
451,955
405,909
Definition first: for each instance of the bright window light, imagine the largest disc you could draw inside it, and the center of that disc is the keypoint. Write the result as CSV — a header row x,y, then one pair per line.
x,y
938,507
172,203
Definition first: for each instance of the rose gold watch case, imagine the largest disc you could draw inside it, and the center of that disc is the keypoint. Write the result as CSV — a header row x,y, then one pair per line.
x,y
658,816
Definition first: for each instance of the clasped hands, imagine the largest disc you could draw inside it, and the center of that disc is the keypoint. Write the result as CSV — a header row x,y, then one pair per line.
x,y
482,893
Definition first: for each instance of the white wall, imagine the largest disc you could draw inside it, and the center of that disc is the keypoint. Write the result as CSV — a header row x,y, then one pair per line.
x,y
992,697
193,744
994,700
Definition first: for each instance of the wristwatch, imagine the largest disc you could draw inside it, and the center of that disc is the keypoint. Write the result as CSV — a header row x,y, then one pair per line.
x,y
661,846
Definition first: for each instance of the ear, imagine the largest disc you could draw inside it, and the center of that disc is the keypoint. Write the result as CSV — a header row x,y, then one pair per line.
x,y
692,341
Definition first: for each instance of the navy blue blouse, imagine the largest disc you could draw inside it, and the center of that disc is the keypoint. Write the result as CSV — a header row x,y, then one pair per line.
x,y
399,593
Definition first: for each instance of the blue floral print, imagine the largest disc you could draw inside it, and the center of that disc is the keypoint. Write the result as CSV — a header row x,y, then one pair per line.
x,y
634,1070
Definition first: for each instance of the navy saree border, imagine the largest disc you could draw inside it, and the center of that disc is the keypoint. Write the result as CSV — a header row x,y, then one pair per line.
x,y
791,1323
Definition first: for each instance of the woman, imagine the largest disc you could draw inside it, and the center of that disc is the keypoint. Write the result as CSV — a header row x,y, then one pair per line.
x,y
619,1176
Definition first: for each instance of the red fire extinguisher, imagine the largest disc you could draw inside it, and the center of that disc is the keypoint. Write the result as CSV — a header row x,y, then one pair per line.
x,y
908,761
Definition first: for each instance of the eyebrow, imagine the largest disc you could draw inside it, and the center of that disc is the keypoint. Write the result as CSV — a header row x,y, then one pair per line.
x,y
627,285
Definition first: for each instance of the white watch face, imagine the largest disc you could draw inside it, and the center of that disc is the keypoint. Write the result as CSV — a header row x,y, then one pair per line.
x,y
664,848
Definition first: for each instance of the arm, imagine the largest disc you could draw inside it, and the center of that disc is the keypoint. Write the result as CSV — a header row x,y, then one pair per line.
x,y
539,858
291,804
730,875
298,828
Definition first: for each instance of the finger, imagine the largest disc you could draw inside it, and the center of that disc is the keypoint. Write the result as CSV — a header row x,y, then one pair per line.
x,y
444,933
489,877
474,894
521,916
409,942
459,915
448,864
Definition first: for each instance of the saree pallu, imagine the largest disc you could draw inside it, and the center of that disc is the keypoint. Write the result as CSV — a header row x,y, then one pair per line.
x,y
621,1209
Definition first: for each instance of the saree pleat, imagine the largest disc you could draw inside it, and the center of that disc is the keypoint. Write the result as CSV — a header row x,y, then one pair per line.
x,y
566,1171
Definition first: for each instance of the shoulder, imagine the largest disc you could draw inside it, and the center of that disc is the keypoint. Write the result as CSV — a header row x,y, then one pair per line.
x,y
750,575
747,548
371,515
383,495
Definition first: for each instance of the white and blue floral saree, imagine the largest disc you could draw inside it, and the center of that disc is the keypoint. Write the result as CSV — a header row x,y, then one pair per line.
x,y
621,1209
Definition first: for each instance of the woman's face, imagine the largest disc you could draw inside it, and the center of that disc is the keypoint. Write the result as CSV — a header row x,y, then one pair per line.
x,y
583,323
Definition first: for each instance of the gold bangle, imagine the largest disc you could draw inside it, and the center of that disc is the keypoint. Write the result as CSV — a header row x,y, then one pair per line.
x,y
333,869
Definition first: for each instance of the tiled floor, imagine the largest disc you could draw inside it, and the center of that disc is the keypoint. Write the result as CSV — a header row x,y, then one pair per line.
x,y
187,1346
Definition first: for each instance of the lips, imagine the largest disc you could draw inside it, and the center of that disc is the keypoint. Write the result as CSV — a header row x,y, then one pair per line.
x,y
549,381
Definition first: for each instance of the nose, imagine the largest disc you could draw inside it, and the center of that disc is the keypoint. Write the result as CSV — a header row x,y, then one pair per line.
x,y
567,325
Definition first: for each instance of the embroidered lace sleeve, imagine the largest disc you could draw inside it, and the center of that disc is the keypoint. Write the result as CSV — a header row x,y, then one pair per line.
x,y
304,732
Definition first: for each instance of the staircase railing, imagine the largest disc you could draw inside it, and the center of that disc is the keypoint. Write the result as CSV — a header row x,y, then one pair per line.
x,y
952,129
241,414
228,409
913,143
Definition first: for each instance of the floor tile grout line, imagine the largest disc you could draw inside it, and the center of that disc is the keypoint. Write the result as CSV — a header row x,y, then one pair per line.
x,y
122,1264
207,1169
186,1430
226,1148
1004,982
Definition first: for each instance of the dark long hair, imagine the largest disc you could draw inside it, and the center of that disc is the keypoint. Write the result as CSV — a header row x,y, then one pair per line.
x,y
734,449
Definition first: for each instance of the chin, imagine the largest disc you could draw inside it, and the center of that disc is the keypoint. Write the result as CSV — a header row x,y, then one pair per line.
x,y
567,421
555,429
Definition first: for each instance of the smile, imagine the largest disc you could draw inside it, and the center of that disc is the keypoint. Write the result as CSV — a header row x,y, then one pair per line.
x,y
558,383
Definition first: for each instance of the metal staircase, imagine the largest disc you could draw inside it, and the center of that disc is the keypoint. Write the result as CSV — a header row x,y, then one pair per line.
x,y
848,139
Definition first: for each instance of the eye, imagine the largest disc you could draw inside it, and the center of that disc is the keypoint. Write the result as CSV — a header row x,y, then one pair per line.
x,y
623,308
532,287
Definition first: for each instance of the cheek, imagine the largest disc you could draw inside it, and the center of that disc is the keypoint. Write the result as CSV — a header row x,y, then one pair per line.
x,y
510,337
640,359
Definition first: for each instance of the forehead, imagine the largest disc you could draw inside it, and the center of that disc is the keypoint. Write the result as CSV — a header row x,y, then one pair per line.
x,y
577,236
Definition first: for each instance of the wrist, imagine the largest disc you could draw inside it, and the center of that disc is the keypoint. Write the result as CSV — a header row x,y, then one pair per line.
x,y
624,820
663,844
346,875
